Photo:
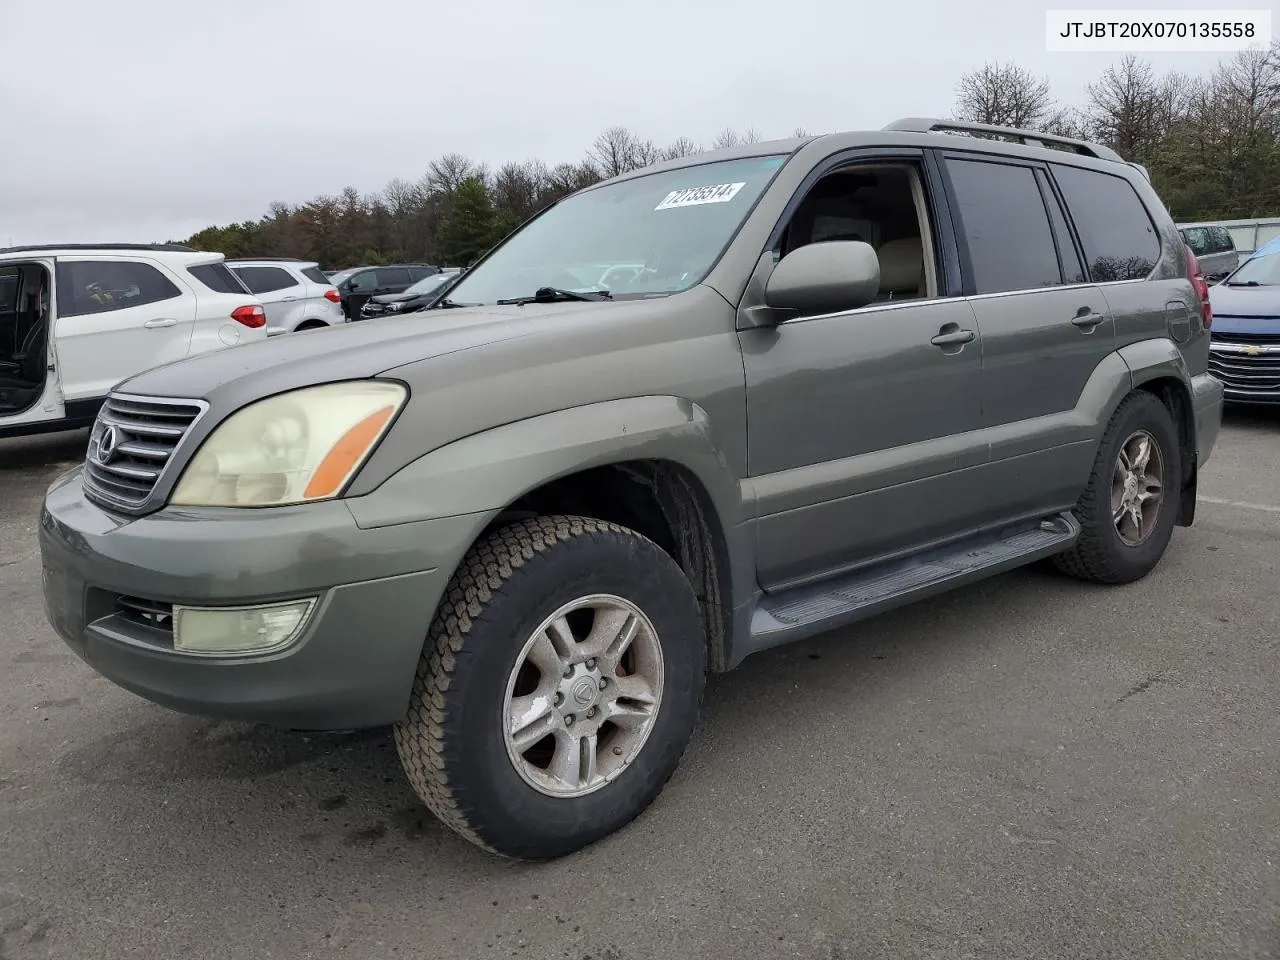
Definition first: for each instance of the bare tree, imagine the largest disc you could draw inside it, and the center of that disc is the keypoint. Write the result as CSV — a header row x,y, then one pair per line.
x,y
684,147
517,186
1006,95
1130,108
446,174
618,150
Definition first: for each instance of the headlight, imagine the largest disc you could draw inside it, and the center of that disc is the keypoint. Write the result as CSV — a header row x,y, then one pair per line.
x,y
394,306
299,446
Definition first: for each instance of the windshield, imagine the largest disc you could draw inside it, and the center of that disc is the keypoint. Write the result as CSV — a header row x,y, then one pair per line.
x,y
433,282
337,278
1263,270
653,235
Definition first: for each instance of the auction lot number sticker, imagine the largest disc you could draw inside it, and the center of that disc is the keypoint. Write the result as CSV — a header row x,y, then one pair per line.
x,y
692,196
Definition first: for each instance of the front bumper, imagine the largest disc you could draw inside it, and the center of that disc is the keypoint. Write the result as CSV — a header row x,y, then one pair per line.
x,y
353,663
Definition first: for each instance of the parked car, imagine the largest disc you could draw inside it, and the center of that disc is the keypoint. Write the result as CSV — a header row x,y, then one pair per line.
x,y
295,293
1245,348
358,284
420,296
586,501
1214,248
75,320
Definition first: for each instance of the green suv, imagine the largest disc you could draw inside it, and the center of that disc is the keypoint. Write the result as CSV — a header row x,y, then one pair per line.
x,y
829,376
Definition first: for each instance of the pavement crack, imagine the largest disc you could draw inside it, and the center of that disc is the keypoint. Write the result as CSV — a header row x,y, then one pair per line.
x,y
1144,685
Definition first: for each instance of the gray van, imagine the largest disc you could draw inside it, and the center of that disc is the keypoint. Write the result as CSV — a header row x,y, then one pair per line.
x,y
1214,249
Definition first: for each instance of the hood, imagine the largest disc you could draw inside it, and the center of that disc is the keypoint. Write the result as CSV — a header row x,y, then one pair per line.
x,y
239,375
393,297
1245,309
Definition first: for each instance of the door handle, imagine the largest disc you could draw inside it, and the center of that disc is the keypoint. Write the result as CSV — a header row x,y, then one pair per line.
x,y
153,324
953,338
1086,319
287,299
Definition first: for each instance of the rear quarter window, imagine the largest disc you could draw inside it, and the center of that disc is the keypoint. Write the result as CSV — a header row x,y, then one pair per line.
x,y
266,279
1120,241
316,275
218,278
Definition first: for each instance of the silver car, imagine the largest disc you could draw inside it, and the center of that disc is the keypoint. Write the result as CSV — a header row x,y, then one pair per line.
x,y
295,293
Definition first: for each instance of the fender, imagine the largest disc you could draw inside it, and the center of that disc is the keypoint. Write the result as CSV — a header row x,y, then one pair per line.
x,y
1149,360
491,469
485,472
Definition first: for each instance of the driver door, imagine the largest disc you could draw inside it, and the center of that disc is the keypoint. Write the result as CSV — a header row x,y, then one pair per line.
x,y
860,423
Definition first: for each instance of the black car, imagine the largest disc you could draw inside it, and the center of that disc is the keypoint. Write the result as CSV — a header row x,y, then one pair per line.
x,y
358,284
418,297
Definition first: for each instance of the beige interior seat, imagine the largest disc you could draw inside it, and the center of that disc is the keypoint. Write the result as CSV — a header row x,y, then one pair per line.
x,y
901,269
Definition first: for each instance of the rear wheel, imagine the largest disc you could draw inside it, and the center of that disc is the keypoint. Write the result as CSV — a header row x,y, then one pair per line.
x,y
1129,509
311,325
558,689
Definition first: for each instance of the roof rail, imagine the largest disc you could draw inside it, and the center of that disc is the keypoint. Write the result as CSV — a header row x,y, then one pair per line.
x,y
1031,138
34,248
268,260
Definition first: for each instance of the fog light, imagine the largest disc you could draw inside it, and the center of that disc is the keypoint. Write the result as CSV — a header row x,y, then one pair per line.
x,y
230,630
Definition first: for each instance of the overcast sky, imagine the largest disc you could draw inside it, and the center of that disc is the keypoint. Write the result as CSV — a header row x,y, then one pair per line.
x,y
145,120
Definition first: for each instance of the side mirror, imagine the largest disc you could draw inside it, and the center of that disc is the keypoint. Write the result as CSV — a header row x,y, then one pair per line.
x,y
825,277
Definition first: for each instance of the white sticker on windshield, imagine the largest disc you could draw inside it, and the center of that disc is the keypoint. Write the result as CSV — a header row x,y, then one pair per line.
x,y
690,196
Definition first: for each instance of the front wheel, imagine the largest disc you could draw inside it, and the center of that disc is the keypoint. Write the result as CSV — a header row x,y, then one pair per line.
x,y
1130,506
558,688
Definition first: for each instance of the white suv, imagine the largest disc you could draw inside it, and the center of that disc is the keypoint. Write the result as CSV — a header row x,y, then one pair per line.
x,y
76,320
295,293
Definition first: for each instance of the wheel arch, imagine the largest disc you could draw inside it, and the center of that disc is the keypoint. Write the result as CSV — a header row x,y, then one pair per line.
x,y
649,463
1159,368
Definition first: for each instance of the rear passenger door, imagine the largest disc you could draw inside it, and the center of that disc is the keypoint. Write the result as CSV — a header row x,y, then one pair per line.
x,y
116,317
394,279
279,292
1045,329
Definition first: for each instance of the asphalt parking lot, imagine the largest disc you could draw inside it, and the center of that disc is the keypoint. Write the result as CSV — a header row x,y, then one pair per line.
x,y
1033,768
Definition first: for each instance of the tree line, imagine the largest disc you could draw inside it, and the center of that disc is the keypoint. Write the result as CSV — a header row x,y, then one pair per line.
x,y
1210,142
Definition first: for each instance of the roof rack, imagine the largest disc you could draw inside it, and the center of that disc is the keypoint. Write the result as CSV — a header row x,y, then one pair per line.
x,y
34,248
268,260
1031,138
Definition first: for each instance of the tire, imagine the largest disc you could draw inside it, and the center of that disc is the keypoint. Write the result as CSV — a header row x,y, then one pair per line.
x,y
455,746
1104,554
310,325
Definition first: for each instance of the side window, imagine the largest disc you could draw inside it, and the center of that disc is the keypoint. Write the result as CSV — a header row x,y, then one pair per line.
x,y
1068,255
419,273
100,286
363,282
1119,239
1005,226
1197,239
218,278
882,204
265,279
316,275
1222,240
393,277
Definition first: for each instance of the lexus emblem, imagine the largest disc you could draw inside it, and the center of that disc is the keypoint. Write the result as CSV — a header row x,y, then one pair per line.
x,y
108,440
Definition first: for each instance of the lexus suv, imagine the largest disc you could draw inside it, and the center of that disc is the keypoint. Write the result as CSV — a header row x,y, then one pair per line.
x,y
838,374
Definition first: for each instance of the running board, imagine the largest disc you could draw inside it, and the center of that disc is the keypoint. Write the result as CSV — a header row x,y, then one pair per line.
x,y
815,608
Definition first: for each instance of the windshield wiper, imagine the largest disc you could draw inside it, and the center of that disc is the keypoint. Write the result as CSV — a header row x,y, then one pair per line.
x,y
447,304
552,294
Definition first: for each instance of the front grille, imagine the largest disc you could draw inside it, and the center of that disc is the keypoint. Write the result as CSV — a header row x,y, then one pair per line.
x,y
1245,376
1256,339
132,442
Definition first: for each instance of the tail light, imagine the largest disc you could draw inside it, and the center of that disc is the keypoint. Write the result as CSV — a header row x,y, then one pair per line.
x,y
333,296
251,316
1201,286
